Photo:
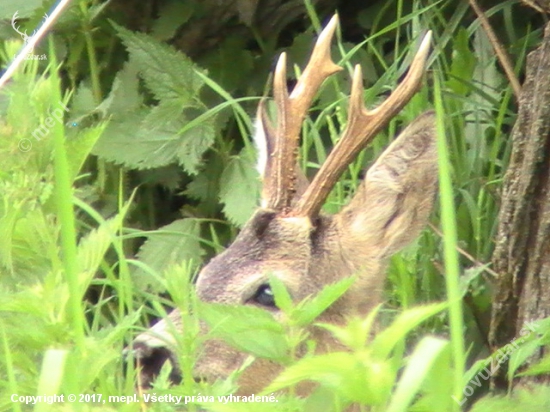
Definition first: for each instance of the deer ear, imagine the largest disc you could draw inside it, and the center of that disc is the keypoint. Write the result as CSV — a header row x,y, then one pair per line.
x,y
264,139
394,201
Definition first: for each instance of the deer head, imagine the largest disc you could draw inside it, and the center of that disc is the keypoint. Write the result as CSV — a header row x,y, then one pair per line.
x,y
290,238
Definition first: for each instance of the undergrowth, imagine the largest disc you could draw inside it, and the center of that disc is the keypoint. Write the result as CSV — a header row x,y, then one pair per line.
x,y
98,146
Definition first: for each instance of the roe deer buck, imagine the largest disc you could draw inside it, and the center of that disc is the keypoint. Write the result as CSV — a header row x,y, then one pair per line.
x,y
290,238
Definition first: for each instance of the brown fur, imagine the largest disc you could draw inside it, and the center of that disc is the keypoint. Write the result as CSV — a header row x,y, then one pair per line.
x,y
389,210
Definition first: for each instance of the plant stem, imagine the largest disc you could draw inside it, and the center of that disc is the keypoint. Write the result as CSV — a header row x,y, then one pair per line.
x,y
448,223
65,213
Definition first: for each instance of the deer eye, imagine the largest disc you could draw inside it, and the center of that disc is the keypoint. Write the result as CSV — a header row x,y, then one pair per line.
x,y
264,297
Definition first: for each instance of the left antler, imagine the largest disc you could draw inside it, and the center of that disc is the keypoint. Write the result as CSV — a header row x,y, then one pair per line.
x,y
281,183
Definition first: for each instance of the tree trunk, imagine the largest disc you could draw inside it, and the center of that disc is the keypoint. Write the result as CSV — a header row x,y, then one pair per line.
x,y
522,253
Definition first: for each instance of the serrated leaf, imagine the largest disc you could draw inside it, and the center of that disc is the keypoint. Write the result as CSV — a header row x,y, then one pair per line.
x,y
167,73
83,102
171,244
308,310
80,146
171,17
357,331
232,52
239,189
124,96
248,329
356,377
193,143
129,142
206,185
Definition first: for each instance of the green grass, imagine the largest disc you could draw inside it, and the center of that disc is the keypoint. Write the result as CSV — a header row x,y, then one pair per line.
x,y
73,292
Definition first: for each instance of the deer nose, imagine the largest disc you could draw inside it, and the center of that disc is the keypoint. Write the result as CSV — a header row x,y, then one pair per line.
x,y
149,360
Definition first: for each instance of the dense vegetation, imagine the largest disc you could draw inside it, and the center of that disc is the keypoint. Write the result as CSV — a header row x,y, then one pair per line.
x,y
126,164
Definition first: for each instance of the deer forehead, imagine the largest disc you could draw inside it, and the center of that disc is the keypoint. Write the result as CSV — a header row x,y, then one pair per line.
x,y
269,245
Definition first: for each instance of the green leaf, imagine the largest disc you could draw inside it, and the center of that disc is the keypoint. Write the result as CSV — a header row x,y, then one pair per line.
x,y
10,216
355,376
519,355
83,101
282,298
193,143
206,185
386,340
169,74
171,244
247,328
239,188
542,367
308,310
80,146
124,96
24,8
92,248
357,331
533,398
463,63
171,17
137,141
418,367
51,375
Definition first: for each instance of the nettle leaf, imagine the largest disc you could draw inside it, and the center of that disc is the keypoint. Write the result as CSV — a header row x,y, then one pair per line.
x,y
80,146
240,188
176,130
248,329
171,17
140,141
124,96
169,74
174,243
83,101
206,185
194,142
356,377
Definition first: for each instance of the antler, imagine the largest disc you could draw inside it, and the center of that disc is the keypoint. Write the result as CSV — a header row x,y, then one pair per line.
x,y
13,19
362,126
281,182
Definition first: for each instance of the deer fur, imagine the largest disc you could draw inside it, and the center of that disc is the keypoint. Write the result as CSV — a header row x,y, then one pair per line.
x,y
308,251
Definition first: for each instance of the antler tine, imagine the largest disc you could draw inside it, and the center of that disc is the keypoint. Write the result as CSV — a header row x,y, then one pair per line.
x,y
291,110
362,126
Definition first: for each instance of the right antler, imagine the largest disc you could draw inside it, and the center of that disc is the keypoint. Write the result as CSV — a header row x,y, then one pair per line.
x,y
362,126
